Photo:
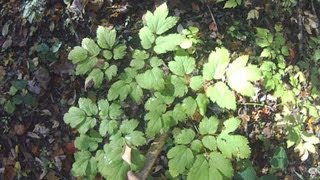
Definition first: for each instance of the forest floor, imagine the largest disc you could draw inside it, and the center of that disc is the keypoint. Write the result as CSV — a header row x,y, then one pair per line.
x,y
38,85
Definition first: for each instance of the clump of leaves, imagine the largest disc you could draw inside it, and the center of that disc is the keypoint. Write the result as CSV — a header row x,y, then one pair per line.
x,y
119,155
173,94
274,46
238,75
210,156
19,95
93,59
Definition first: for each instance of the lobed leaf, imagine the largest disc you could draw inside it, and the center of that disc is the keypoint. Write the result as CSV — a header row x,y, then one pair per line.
x,y
151,79
222,95
96,75
182,65
180,159
89,45
217,63
185,136
168,43
77,54
147,37
119,51
106,38
208,125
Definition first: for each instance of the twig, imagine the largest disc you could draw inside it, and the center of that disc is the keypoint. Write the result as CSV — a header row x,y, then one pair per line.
x,y
152,155
315,14
300,24
212,17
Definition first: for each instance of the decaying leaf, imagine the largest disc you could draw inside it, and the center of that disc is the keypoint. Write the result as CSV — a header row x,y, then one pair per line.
x,y
126,156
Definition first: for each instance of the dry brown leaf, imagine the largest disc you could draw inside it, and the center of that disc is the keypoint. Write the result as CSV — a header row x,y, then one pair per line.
x,y
126,156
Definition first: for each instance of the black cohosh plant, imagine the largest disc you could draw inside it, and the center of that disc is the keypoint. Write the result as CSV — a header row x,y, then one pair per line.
x,y
160,76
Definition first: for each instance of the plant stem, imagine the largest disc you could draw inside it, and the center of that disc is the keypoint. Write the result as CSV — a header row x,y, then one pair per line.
x,y
152,155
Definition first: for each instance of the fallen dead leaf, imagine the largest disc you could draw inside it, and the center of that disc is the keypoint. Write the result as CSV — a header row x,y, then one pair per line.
x,y
43,76
132,176
19,129
126,156
2,72
70,148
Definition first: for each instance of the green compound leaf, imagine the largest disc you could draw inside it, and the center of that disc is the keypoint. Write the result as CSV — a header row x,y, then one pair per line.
x,y
182,65
156,62
137,93
217,64
279,160
221,164
140,54
264,37
189,106
9,107
180,159
88,143
222,95
119,51
180,87
84,165
103,106
137,160
88,106
246,171
218,168
185,136
202,101
106,38
155,107
208,125
210,142
90,46
158,22
138,59
86,66
137,63
117,170
110,163
233,145
115,110
169,22
107,126
127,126
151,79
111,72
231,125
96,75
135,138
86,125
147,37
199,169
74,117
154,125
240,76
196,145
119,89
168,43
196,83
178,114
107,54
77,54
77,117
